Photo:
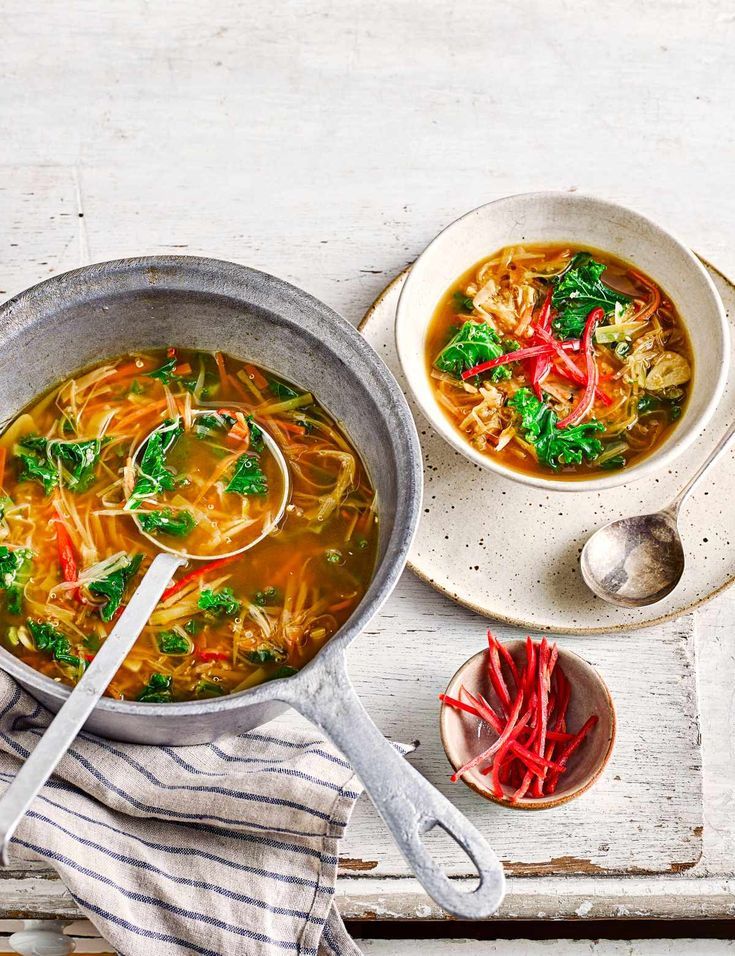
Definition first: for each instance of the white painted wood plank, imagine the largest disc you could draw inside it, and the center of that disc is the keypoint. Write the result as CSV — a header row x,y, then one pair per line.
x,y
528,947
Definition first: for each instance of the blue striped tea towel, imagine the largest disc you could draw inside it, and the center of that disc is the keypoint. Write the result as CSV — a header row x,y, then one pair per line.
x,y
220,849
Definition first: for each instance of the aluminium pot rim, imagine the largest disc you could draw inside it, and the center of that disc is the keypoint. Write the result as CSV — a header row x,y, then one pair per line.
x,y
203,275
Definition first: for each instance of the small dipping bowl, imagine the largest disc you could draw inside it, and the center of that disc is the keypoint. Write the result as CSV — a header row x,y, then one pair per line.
x,y
463,735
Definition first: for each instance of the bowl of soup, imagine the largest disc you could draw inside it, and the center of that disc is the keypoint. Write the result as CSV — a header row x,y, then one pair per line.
x,y
563,341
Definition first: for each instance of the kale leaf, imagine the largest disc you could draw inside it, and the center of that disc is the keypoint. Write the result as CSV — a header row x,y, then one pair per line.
x,y
42,457
34,468
555,446
281,390
167,521
266,654
577,291
46,637
206,425
165,374
157,690
15,568
248,477
113,586
219,603
208,688
269,595
475,342
256,435
153,475
463,302
169,642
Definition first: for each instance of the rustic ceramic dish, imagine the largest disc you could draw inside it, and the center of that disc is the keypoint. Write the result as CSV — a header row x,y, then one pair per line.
x,y
457,544
463,735
568,217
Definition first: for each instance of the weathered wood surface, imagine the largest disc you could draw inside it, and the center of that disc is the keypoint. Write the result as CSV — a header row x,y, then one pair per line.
x,y
327,143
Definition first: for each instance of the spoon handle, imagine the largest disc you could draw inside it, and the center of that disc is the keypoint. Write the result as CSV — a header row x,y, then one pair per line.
x,y
722,445
80,703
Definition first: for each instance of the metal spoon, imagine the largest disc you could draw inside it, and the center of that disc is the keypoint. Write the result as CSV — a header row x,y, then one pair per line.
x,y
68,722
634,562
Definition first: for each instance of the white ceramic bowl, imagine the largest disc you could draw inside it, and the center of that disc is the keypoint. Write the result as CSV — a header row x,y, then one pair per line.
x,y
584,221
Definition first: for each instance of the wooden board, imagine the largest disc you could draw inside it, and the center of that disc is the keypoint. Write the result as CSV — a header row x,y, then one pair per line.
x,y
643,816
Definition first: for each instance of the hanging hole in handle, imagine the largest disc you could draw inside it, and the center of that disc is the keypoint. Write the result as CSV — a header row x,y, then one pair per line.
x,y
442,846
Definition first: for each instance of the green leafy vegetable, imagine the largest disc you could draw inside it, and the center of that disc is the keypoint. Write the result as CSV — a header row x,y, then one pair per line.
x,y
281,390
266,654
333,556
577,291
193,626
285,671
169,642
78,461
219,603
649,403
46,637
42,459
113,586
256,435
206,425
612,464
505,371
463,302
167,521
475,342
207,688
136,388
15,567
157,690
153,475
555,446
248,477
37,469
165,374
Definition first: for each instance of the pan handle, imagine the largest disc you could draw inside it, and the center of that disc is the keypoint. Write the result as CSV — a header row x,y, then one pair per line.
x,y
406,801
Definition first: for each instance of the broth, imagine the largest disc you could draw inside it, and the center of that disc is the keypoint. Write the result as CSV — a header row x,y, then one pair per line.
x,y
74,476
612,412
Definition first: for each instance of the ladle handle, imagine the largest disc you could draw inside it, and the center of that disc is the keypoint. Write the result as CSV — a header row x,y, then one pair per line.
x,y
722,445
63,729
407,802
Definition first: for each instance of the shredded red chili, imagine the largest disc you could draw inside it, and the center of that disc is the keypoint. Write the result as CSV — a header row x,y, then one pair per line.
x,y
533,746
588,348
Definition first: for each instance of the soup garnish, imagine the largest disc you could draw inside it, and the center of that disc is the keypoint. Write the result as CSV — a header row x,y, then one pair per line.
x,y
559,361
173,444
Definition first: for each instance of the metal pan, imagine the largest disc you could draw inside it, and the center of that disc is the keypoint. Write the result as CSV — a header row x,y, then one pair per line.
x,y
76,319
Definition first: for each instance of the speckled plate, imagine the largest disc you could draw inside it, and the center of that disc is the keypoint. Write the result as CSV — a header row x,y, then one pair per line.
x,y
511,552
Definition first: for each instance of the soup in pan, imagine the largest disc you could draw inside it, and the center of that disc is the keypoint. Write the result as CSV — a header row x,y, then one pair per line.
x,y
171,443
559,361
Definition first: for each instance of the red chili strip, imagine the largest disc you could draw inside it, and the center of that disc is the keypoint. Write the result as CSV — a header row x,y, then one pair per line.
x,y
495,673
513,726
588,348
67,556
507,657
531,351
569,369
566,753
539,367
196,573
207,656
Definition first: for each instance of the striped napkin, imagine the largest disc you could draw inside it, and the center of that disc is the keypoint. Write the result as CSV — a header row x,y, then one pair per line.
x,y
219,849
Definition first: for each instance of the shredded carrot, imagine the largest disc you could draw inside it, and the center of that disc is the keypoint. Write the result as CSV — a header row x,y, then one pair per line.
x,y
220,360
260,380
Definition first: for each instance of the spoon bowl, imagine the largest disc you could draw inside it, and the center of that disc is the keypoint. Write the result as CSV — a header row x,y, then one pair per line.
x,y
634,562
269,525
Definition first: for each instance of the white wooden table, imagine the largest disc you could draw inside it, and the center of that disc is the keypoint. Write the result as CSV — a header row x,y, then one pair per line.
x,y
327,143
